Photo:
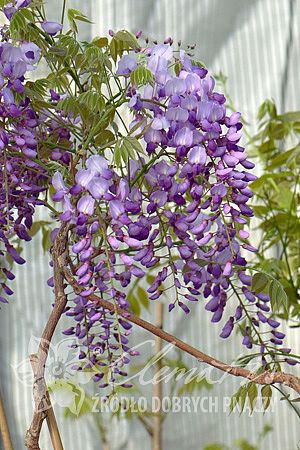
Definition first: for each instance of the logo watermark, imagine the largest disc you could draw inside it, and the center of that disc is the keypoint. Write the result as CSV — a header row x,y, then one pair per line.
x,y
205,404
67,386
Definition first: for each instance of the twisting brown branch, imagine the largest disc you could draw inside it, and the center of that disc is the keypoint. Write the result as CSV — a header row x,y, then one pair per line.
x,y
40,393
265,378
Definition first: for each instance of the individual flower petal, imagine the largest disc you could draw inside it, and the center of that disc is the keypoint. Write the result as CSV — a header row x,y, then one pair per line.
x,y
86,205
51,27
126,65
197,155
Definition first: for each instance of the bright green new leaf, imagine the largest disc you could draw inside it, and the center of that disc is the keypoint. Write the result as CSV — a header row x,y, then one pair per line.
x,y
259,282
127,37
143,297
252,395
141,76
277,296
266,394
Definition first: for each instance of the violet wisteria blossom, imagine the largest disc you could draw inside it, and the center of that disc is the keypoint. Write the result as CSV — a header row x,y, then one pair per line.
x,y
51,28
177,212
186,224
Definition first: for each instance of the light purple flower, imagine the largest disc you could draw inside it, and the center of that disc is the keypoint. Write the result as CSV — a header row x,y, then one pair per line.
x,y
227,269
86,205
159,198
193,82
116,208
97,164
126,65
178,114
113,242
84,177
162,50
197,155
219,189
58,183
175,86
160,123
127,260
184,137
133,243
31,52
97,187
22,3
210,111
51,27
243,234
9,9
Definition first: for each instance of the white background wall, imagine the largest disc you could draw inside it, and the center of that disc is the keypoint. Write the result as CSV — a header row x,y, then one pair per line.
x,y
255,43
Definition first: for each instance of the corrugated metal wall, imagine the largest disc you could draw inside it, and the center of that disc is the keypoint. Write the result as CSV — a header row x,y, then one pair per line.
x,y
250,41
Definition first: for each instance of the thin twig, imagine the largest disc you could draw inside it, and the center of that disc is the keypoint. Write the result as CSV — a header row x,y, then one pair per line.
x,y
4,427
148,428
157,388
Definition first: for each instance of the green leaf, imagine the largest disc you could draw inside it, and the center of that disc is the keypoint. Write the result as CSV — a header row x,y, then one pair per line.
x,y
266,394
36,226
252,395
127,37
93,100
141,76
46,240
135,306
127,151
74,14
267,177
279,160
242,398
136,126
291,116
239,399
70,105
117,153
143,297
117,48
178,66
135,144
18,23
259,282
57,51
197,63
70,44
104,138
100,42
277,296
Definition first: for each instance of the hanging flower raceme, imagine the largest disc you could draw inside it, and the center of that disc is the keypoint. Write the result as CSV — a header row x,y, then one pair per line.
x,y
20,179
180,214
23,134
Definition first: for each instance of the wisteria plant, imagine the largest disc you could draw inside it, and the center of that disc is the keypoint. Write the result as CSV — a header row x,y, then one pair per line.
x,y
133,152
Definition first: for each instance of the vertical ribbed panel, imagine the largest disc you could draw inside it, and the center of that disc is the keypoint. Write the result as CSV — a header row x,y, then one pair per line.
x,y
247,41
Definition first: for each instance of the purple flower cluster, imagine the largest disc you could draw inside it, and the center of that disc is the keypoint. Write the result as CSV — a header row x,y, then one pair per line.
x,y
204,194
19,177
22,146
11,8
181,214
51,28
